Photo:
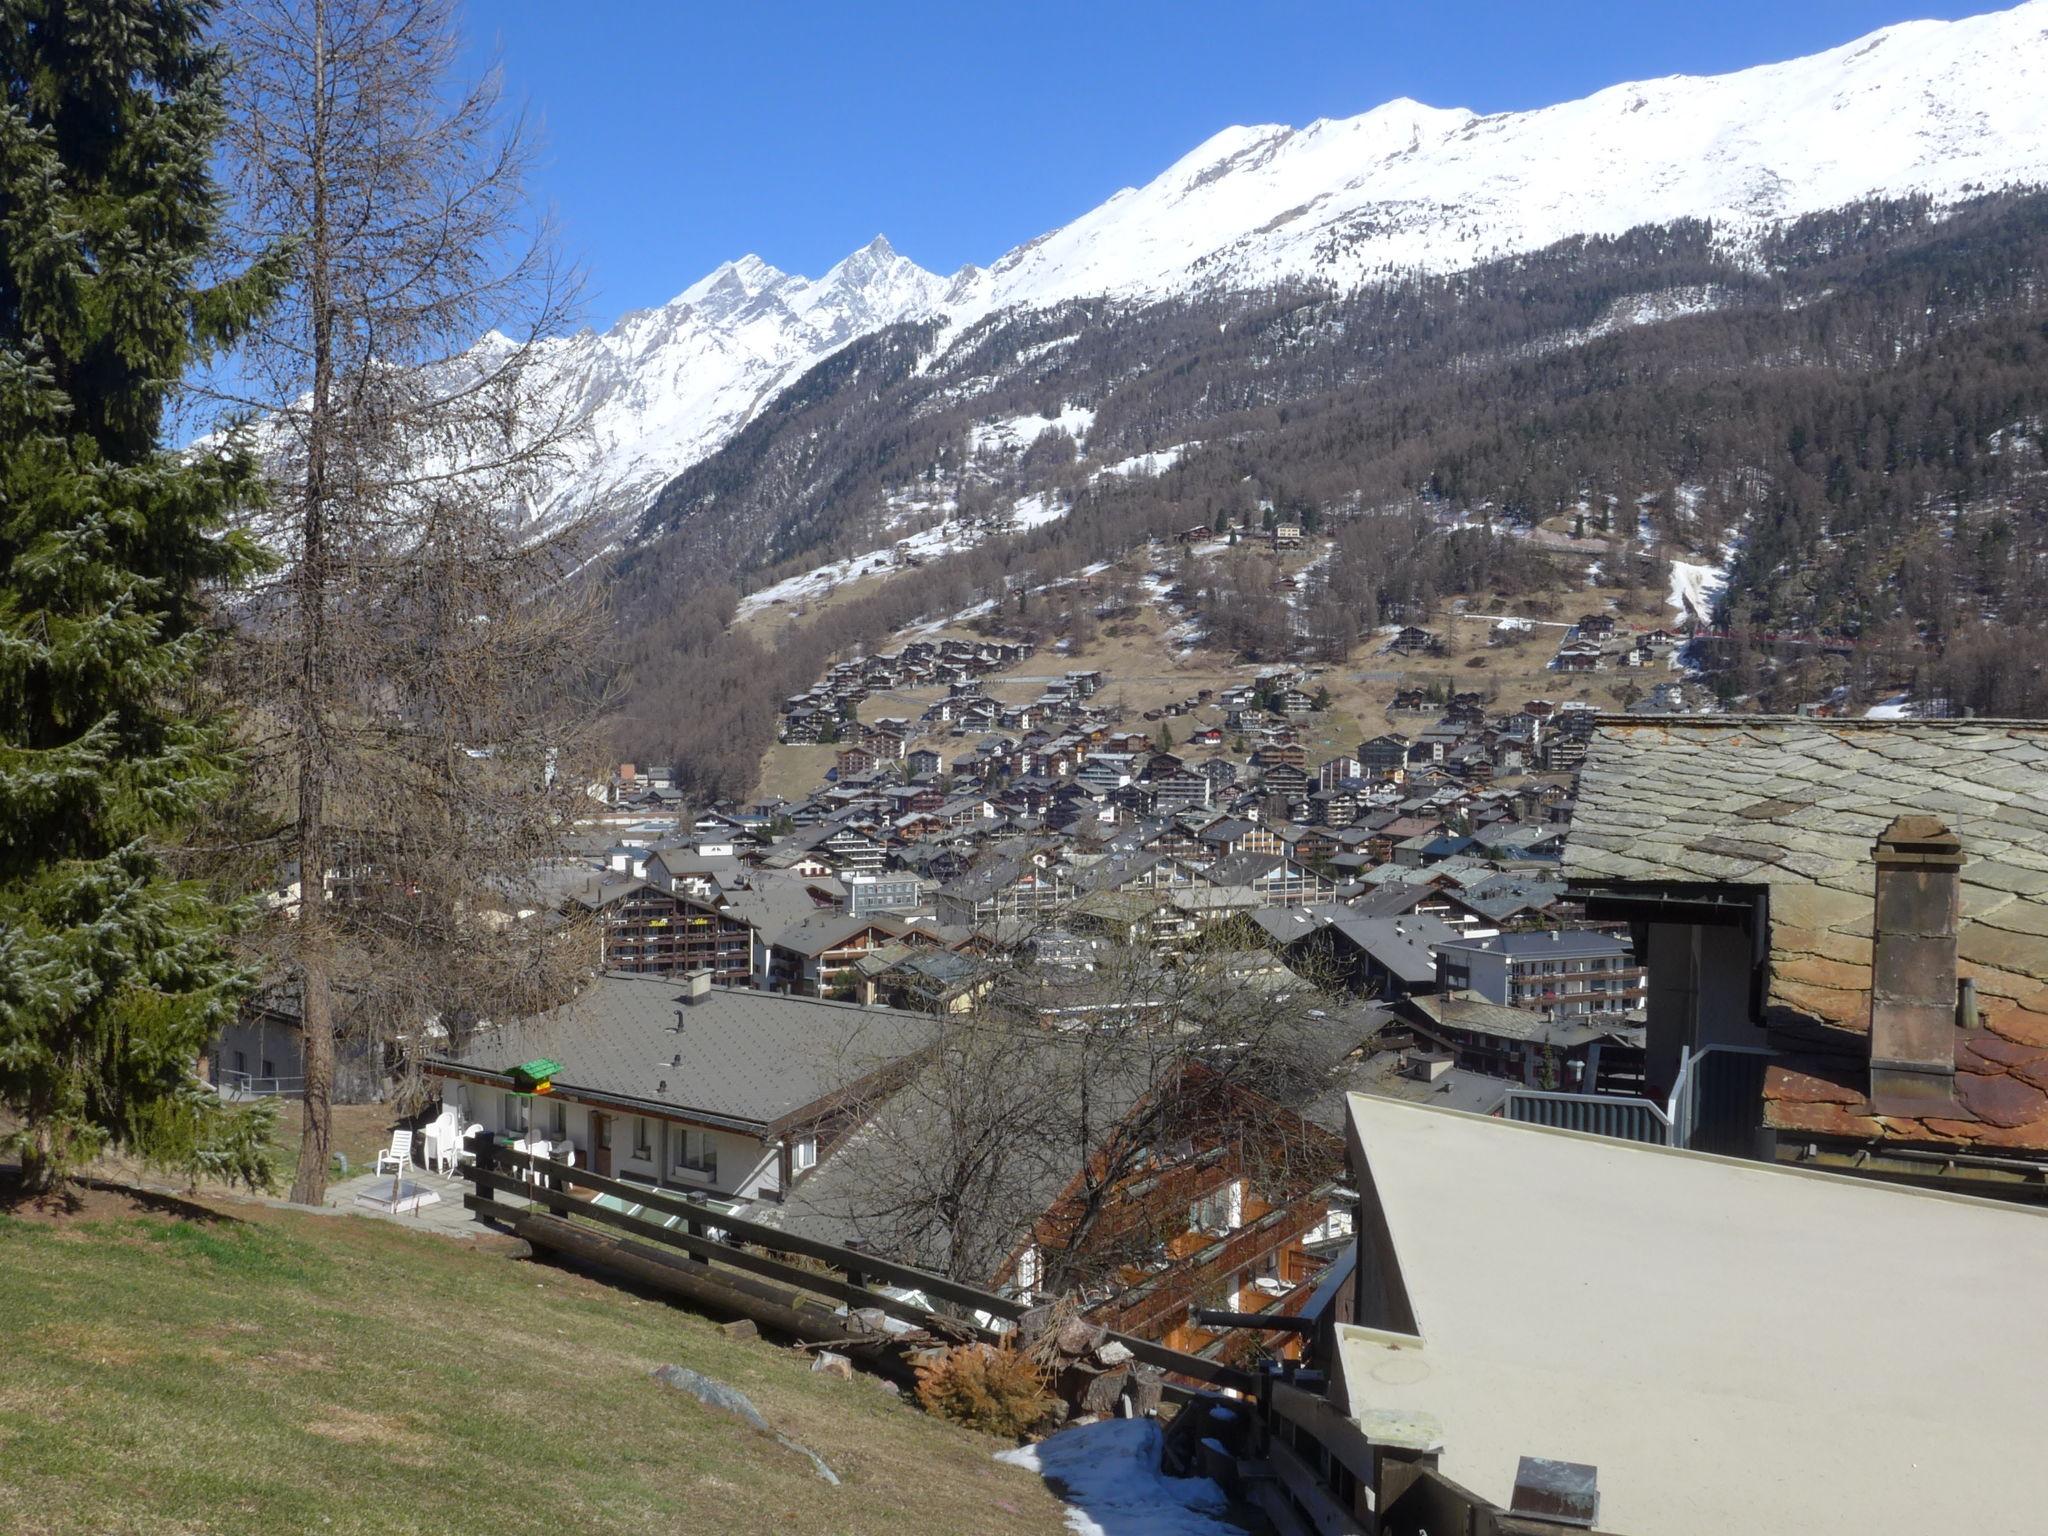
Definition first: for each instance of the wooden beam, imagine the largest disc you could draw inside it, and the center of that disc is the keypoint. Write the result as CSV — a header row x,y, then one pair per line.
x,y
1314,1501
1332,1428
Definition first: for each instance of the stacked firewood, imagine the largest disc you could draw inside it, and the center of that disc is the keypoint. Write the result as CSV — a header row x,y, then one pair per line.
x,y
1093,1375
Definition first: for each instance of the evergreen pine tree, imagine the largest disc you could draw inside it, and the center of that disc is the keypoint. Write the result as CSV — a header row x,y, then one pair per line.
x,y
113,974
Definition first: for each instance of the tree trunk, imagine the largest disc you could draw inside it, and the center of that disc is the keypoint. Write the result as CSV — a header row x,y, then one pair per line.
x,y
316,991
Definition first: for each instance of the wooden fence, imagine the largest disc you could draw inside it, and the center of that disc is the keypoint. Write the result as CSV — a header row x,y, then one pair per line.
x,y
719,1254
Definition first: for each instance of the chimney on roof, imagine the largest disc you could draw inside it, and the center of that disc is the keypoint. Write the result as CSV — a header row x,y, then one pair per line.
x,y
1913,967
696,986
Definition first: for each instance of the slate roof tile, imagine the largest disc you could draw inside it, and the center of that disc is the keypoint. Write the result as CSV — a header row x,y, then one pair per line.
x,y
1794,805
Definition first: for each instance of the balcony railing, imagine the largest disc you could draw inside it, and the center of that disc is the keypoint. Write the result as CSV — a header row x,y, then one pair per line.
x,y
1714,1105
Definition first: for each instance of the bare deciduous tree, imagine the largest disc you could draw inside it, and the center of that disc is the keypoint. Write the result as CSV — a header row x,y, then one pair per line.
x,y
1038,1107
412,668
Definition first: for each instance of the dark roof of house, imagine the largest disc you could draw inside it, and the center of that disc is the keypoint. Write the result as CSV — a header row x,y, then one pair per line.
x,y
751,1058
821,931
1547,944
1462,1011
1794,805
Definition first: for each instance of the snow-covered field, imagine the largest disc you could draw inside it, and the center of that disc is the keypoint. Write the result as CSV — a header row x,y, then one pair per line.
x,y
1145,466
1108,1474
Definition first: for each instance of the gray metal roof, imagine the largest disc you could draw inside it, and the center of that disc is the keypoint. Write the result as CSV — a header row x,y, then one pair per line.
x,y
746,1056
1550,944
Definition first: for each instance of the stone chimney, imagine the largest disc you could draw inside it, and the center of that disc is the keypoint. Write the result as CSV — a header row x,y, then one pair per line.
x,y
696,986
1913,968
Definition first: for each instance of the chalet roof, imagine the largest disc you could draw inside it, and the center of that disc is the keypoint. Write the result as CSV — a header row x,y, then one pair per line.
x,y
820,931
747,1057
1381,1075
1463,1011
604,891
859,1193
1548,944
1400,945
1244,868
985,879
1793,806
772,905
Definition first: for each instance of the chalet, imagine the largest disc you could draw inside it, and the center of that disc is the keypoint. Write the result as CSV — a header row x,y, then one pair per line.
x,y
1284,779
1287,535
1411,640
1559,973
813,956
1002,889
1273,877
854,760
643,929
1594,626
1384,754
1527,1046
1373,956
679,1084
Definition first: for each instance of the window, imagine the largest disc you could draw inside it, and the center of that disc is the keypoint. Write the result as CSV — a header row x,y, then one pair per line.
x,y
804,1154
1027,1272
241,1061
604,1131
269,1067
1221,1210
696,1153
643,1141
558,1117
515,1112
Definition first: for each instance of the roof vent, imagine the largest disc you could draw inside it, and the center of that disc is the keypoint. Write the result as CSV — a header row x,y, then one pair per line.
x,y
1562,1492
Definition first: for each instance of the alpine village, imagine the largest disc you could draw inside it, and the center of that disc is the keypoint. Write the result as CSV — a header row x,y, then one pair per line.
x,y
1358,845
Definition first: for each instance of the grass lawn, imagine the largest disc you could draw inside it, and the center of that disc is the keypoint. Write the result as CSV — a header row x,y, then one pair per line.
x,y
171,1369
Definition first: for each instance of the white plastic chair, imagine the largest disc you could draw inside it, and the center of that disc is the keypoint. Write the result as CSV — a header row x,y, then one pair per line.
x,y
462,1152
397,1155
442,1143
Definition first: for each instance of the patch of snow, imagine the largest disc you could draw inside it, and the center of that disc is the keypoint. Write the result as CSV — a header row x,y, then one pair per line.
x,y
1899,706
1146,466
1695,587
1013,434
1108,1475
1036,511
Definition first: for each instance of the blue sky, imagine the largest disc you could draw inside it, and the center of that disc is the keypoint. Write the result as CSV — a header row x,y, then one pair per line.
x,y
682,135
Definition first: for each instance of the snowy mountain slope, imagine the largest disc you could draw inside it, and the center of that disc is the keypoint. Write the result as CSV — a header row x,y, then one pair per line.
x,y
664,387
1947,108
1940,107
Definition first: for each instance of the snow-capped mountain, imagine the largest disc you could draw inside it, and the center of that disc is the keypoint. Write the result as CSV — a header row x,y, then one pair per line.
x,y
664,387
1948,108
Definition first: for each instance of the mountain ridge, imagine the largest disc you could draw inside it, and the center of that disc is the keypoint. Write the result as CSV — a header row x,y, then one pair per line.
x,y
1947,108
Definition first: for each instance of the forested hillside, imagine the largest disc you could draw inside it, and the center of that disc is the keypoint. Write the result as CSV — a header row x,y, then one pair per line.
x,y
1853,408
